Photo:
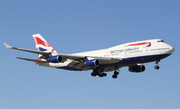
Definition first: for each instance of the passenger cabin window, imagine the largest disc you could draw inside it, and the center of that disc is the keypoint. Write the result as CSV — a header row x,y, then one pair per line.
x,y
160,41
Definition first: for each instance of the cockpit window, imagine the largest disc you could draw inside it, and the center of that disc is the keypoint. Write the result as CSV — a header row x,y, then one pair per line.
x,y
160,41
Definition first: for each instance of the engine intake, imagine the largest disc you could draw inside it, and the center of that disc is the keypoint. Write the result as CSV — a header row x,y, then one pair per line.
x,y
92,63
137,68
55,59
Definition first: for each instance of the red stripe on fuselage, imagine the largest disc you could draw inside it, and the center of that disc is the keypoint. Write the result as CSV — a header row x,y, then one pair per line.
x,y
141,43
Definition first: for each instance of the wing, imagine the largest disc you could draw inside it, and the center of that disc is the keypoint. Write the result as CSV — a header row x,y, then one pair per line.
x,y
27,50
78,58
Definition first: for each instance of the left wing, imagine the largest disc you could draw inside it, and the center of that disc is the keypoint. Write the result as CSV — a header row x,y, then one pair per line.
x,y
64,56
27,50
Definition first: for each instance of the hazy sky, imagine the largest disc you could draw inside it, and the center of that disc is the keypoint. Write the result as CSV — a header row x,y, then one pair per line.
x,y
72,26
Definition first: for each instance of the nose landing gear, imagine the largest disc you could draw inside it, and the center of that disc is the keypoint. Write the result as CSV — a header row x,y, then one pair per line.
x,y
157,66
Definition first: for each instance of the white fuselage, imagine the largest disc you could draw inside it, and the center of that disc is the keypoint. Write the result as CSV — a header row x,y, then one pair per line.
x,y
130,53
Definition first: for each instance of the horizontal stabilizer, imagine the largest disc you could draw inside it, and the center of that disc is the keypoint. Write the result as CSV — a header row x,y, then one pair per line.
x,y
33,60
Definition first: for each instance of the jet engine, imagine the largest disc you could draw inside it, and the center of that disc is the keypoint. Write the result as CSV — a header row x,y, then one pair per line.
x,y
92,63
137,68
55,59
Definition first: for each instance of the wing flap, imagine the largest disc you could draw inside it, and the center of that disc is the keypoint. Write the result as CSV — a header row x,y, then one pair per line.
x,y
72,57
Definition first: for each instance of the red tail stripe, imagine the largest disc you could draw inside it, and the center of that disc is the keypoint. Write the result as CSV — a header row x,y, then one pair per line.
x,y
52,50
39,41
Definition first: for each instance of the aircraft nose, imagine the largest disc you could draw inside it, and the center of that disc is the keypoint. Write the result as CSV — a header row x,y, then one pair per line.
x,y
171,50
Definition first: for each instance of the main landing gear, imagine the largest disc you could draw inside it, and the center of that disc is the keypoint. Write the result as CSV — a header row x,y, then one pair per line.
x,y
115,74
98,72
157,66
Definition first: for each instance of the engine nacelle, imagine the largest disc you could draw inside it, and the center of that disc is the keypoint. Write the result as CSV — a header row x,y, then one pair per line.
x,y
137,68
92,63
55,59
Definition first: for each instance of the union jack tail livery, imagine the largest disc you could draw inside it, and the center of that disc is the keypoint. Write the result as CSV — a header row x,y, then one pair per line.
x,y
42,45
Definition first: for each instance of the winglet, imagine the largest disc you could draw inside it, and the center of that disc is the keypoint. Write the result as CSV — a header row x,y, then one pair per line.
x,y
7,46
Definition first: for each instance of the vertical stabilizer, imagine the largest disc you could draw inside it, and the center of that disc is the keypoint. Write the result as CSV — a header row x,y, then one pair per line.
x,y
42,45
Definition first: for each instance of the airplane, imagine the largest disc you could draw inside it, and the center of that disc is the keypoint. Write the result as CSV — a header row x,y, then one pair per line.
x,y
132,55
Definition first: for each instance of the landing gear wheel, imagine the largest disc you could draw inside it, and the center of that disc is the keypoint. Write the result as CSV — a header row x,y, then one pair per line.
x,y
93,74
114,76
104,74
100,75
156,67
116,73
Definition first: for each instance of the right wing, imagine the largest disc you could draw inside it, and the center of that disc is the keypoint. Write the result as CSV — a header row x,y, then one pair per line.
x,y
78,58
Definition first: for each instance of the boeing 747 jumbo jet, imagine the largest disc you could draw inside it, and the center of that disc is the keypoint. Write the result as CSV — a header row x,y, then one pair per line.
x,y
132,55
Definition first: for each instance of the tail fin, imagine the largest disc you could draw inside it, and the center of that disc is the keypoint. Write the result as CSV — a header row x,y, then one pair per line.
x,y
41,44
